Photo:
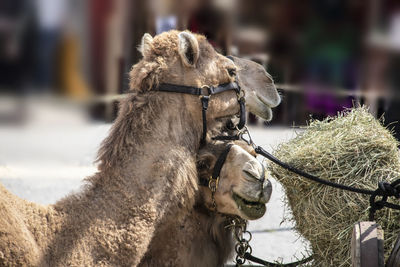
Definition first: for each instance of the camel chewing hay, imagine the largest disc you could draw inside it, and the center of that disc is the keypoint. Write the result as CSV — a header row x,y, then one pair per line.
x,y
353,149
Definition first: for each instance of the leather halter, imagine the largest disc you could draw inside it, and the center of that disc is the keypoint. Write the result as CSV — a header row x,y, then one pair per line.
x,y
205,92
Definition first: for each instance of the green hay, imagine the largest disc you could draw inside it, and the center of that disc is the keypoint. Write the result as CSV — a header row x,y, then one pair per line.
x,y
353,149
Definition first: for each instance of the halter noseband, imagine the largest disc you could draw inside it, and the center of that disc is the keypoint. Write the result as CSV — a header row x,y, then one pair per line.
x,y
212,182
214,178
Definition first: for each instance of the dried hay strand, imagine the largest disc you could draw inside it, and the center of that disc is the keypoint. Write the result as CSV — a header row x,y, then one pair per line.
x,y
352,149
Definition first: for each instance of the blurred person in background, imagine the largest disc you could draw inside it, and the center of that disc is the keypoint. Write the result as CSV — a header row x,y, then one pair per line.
x,y
51,16
285,29
71,78
212,21
17,45
165,15
383,78
330,56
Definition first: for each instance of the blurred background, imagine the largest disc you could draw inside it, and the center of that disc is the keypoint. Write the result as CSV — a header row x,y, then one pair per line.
x,y
65,63
323,55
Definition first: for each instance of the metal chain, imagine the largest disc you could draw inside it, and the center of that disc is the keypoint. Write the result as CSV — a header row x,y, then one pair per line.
x,y
213,185
243,238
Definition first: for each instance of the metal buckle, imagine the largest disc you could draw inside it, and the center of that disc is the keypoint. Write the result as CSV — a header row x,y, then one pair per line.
x,y
246,131
213,184
241,94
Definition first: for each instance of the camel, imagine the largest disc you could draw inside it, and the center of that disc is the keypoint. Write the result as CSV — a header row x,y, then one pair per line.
x,y
202,237
147,175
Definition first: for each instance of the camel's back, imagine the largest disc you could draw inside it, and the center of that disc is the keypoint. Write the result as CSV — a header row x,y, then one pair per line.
x,y
17,244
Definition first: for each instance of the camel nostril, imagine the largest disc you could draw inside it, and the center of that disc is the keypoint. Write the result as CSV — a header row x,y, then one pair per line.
x,y
262,187
262,178
251,173
266,191
254,169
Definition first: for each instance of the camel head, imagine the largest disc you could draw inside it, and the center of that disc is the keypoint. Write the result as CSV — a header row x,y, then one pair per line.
x,y
240,190
184,58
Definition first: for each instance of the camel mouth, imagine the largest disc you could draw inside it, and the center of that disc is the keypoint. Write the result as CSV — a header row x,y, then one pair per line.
x,y
269,103
267,107
265,102
251,209
259,106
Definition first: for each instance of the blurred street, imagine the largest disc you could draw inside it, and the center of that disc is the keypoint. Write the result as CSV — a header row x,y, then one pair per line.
x,y
47,157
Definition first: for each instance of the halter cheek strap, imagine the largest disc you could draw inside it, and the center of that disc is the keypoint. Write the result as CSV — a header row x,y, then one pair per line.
x,y
204,106
213,180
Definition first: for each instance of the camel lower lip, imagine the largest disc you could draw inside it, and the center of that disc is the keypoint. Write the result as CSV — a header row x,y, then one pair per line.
x,y
267,108
253,210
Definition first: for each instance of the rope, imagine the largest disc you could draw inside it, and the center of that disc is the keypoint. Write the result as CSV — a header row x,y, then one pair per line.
x,y
260,150
384,190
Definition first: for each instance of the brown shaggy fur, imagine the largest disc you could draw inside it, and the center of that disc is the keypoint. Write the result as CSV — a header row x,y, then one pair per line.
x,y
147,172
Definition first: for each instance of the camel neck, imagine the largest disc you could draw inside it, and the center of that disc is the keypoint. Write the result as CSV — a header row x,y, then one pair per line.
x,y
147,168
146,137
148,123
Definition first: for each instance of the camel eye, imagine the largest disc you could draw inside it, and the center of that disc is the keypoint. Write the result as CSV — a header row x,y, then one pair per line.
x,y
232,72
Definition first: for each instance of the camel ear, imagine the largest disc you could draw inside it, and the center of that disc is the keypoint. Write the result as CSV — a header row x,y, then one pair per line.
x,y
188,48
146,45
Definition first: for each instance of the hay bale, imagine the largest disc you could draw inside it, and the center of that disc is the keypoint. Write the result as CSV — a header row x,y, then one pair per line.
x,y
353,149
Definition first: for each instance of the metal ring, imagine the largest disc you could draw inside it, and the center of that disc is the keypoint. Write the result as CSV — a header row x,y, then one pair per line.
x,y
250,251
248,233
237,248
208,89
239,260
250,140
241,248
